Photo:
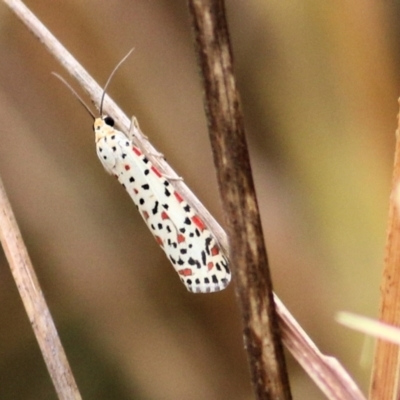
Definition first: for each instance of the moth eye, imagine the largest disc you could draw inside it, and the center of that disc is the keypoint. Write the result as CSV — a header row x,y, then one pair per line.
x,y
109,121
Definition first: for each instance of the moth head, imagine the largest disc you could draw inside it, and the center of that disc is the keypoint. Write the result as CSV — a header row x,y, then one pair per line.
x,y
103,126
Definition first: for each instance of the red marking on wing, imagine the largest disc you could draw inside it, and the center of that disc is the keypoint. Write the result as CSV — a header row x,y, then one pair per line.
x,y
136,151
185,272
156,171
135,191
164,215
181,238
178,197
127,167
115,176
159,240
146,215
210,265
198,222
215,251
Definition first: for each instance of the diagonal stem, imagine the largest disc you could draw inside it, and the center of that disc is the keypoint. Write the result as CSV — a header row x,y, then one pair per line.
x,y
34,302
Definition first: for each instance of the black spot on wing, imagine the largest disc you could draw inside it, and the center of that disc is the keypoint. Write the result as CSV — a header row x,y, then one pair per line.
x,y
208,241
203,257
155,208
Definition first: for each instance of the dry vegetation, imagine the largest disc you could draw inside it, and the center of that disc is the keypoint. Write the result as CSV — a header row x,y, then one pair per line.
x,y
319,89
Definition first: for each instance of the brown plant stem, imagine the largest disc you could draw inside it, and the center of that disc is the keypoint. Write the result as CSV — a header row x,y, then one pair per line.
x,y
248,254
34,302
385,370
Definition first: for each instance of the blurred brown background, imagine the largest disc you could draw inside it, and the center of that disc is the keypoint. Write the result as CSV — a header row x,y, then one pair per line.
x,y
319,86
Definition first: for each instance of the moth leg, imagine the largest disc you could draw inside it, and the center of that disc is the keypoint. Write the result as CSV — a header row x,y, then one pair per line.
x,y
134,128
173,178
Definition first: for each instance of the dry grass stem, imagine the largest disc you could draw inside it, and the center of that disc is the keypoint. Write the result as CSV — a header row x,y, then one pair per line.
x,y
327,372
384,382
248,255
370,327
34,302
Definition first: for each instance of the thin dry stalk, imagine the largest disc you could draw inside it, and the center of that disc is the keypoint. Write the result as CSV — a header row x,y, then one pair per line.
x,y
327,372
385,371
248,255
330,376
34,302
369,326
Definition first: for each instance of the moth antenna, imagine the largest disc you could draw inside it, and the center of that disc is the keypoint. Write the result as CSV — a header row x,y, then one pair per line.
x,y
75,94
109,80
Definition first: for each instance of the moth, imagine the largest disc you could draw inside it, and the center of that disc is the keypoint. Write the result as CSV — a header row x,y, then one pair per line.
x,y
188,243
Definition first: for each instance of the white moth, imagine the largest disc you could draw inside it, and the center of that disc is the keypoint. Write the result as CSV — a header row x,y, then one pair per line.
x,y
188,243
